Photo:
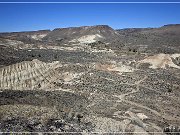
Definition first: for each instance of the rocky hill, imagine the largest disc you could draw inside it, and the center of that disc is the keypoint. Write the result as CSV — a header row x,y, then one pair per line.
x,y
160,40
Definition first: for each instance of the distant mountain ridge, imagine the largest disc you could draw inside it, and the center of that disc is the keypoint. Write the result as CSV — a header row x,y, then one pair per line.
x,y
25,36
84,33
163,39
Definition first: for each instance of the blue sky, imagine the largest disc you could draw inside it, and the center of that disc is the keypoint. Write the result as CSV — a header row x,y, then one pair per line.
x,y
27,17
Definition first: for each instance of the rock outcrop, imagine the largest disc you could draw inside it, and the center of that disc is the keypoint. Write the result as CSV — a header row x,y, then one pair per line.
x,y
28,75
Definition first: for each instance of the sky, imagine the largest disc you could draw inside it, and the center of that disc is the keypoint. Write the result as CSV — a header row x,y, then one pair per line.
x,y
29,17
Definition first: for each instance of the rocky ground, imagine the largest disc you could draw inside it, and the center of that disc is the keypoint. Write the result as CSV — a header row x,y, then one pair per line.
x,y
83,89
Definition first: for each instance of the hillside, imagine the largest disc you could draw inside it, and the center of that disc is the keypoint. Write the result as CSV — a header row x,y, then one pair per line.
x,y
85,34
